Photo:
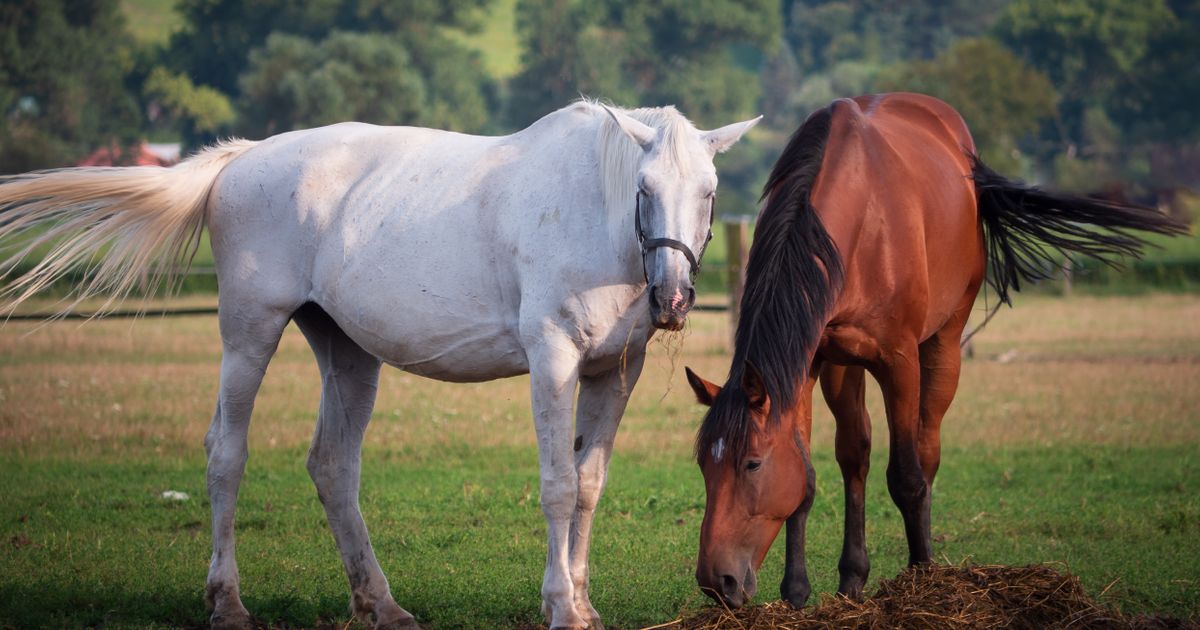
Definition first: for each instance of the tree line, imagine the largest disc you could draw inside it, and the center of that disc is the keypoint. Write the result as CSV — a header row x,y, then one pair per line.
x,y
1088,95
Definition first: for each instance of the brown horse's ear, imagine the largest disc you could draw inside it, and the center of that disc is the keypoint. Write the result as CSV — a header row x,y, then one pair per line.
x,y
752,384
706,392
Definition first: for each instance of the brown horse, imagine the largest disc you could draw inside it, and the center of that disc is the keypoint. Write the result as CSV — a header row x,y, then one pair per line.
x,y
878,225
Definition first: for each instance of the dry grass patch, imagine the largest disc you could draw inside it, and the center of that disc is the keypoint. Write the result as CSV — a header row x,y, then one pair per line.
x,y
1087,369
993,596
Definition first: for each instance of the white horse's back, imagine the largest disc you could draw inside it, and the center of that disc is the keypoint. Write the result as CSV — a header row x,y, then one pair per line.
x,y
361,219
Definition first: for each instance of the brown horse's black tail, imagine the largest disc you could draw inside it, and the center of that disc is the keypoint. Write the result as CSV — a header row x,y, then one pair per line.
x,y
1026,229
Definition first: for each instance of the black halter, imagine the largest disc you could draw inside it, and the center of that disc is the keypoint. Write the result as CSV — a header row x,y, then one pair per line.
x,y
648,244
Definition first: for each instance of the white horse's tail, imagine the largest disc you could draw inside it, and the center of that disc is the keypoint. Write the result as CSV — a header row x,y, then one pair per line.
x,y
124,227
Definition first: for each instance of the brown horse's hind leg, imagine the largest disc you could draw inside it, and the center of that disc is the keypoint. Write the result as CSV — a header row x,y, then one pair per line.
x,y
844,389
941,361
796,587
899,376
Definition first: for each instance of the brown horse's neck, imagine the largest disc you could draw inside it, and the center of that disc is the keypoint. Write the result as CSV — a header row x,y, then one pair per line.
x,y
794,273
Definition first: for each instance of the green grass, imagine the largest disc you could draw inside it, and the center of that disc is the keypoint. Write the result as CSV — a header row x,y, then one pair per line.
x,y
461,533
1082,450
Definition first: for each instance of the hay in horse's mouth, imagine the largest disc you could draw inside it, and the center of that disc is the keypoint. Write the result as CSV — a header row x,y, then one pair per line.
x,y
990,596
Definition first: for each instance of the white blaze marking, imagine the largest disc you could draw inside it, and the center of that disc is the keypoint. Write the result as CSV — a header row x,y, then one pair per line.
x,y
718,450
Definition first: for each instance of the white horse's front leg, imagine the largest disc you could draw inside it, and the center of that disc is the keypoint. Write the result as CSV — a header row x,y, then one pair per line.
x,y
602,400
554,372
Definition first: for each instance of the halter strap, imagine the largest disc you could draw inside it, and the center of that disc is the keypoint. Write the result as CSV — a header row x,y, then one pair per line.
x,y
648,244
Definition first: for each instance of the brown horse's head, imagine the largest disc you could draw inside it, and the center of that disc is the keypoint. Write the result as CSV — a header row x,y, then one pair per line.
x,y
755,476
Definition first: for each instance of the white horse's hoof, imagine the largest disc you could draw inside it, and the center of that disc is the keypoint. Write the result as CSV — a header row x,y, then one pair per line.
x,y
232,621
408,623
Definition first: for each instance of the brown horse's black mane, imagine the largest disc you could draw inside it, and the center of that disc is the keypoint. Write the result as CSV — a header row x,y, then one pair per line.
x,y
792,280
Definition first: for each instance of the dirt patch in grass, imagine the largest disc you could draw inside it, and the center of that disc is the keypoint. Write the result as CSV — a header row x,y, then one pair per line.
x,y
992,596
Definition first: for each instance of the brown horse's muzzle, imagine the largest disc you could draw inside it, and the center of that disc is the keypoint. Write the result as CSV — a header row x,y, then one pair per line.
x,y
733,587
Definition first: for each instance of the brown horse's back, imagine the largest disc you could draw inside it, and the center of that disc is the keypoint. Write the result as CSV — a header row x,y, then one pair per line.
x,y
896,196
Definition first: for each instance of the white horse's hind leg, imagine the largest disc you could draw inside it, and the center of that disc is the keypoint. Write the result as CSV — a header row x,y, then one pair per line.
x,y
602,402
248,344
350,379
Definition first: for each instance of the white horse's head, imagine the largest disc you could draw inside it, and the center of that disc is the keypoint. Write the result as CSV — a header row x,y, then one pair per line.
x,y
675,187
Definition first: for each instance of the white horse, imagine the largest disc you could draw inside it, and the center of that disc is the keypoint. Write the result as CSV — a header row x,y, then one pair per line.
x,y
456,257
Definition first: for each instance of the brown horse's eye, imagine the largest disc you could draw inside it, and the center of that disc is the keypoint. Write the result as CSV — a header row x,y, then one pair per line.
x,y
753,465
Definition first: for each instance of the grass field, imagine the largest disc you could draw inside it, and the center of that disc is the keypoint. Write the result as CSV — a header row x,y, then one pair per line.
x,y
1082,448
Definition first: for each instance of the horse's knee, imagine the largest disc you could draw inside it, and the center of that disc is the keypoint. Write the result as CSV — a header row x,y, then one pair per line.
x,y
907,485
559,494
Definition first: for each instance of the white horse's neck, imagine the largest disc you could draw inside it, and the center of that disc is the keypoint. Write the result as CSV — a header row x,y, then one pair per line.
x,y
618,158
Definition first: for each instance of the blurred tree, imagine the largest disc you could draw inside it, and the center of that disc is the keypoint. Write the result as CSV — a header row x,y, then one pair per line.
x,y
680,52
700,55
553,65
402,52
825,32
1001,98
62,91
1156,104
1085,47
214,45
203,109
1092,50
293,82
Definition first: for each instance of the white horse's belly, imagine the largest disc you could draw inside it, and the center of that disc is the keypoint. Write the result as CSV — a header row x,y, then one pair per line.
x,y
455,350
466,335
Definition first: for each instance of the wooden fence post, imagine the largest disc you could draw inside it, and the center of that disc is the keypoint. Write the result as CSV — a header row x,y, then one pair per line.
x,y
737,250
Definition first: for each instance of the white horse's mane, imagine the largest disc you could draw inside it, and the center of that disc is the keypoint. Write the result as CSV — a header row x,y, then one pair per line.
x,y
620,156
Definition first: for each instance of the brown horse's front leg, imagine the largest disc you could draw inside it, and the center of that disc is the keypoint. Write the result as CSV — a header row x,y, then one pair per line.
x,y
844,389
795,587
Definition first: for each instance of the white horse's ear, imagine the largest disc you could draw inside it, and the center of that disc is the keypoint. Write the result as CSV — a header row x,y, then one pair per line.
x,y
637,131
719,140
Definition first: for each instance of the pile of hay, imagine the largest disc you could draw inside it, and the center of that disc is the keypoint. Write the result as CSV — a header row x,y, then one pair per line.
x,y
943,597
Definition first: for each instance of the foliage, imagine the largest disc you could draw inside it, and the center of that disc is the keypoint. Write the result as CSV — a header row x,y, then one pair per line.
x,y
62,90
203,108
1084,46
1001,98
674,52
823,33
214,46
359,53
293,82
1089,49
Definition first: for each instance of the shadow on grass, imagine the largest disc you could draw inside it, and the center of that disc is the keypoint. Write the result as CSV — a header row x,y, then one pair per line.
x,y
41,605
